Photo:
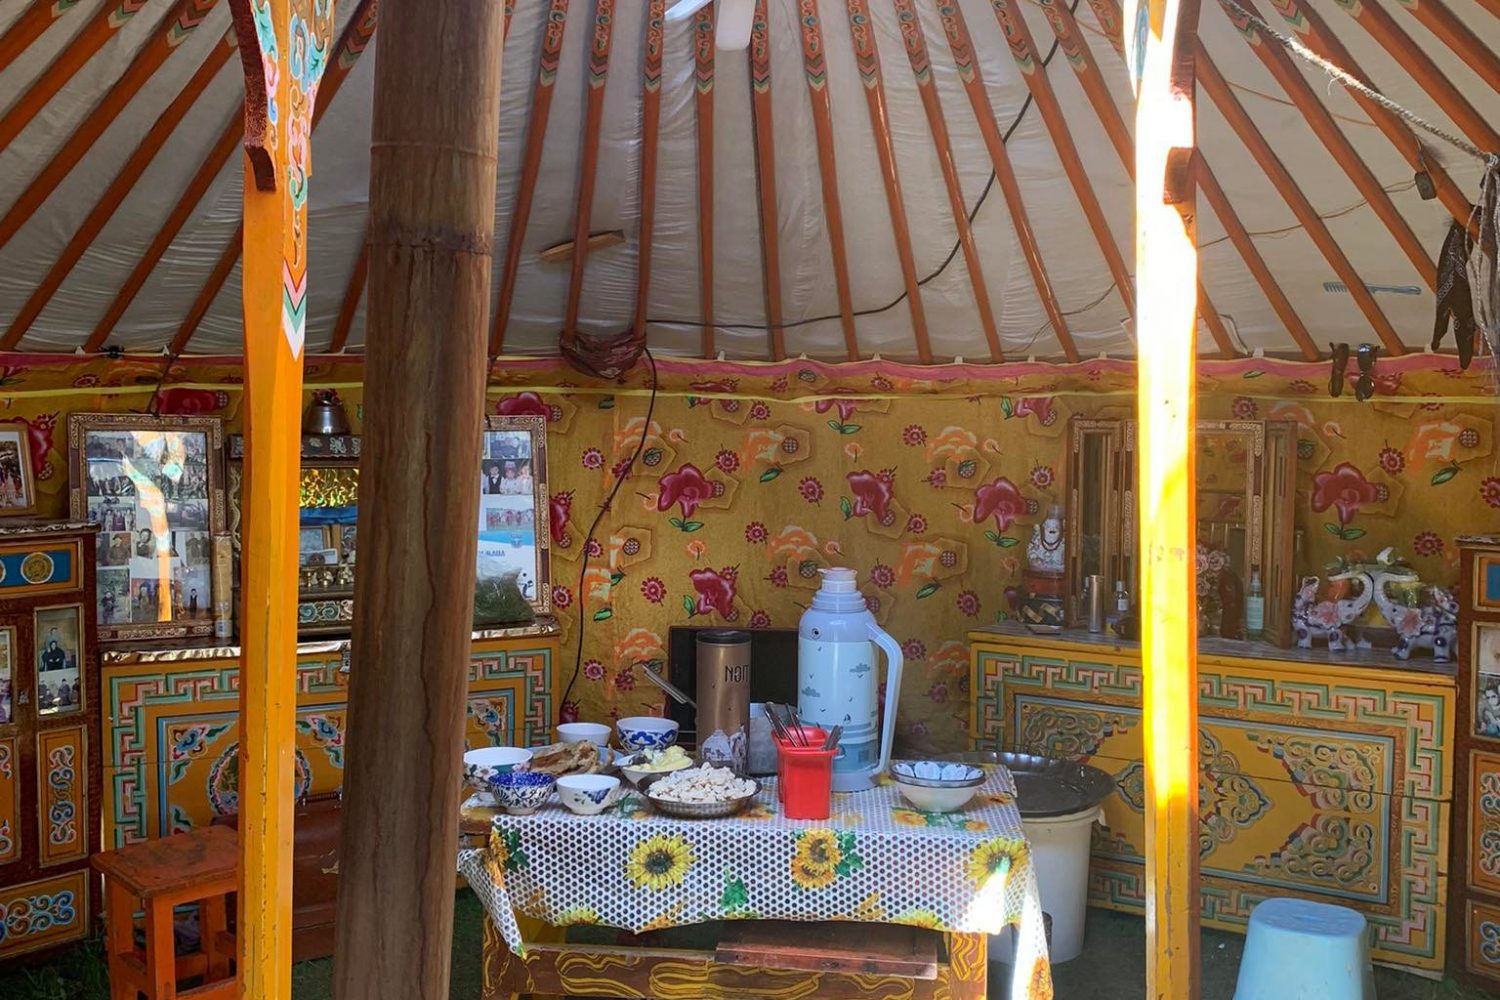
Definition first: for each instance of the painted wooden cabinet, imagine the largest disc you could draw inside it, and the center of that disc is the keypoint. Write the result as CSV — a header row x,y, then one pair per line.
x,y
171,727
1324,779
1474,899
49,750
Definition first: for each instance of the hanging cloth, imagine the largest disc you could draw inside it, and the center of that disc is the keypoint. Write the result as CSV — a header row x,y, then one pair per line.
x,y
1455,302
1484,262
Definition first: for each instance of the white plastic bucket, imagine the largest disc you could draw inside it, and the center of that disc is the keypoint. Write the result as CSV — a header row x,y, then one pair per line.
x,y
1060,852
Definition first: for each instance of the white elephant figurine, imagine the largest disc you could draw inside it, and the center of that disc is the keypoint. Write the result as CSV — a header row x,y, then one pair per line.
x,y
1432,623
1312,618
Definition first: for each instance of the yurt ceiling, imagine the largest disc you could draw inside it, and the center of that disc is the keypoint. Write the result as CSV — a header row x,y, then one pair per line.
x,y
920,179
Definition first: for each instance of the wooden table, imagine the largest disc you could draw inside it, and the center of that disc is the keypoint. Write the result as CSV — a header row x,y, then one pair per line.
x,y
768,960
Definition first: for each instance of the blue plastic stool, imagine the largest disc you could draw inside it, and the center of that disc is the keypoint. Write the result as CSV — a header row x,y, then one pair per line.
x,y
1298,950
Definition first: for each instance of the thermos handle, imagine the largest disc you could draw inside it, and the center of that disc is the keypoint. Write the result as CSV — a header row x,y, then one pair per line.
x,y
893,658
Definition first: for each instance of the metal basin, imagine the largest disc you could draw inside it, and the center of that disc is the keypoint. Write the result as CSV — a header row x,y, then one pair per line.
x,y
1046,786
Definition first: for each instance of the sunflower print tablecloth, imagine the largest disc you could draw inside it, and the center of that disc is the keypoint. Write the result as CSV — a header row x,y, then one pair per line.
x,y
875,859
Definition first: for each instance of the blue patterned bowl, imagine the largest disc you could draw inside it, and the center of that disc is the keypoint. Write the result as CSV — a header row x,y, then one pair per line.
x,y
484,763
588,794
520,792
646,732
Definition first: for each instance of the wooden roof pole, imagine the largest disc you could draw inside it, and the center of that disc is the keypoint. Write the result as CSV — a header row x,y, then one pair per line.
x,y
650,156
703,113
1382,27
1065,27
599,46
124,182
1166,255
353,293
436,114
1438,19
1034,74
275,317
28,28
553,30
815,67
355,290
1313,32
920,58
867,59
765,175
357,31
957,32
351,44
1275,59
185,17
75,55
1229,106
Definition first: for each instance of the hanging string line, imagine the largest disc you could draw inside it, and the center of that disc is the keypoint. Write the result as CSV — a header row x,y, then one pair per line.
x,y
1353,83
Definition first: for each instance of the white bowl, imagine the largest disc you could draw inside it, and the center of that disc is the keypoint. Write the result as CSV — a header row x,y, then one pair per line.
x,y
642,777
588,794
577,732
484,763
646,732
937,800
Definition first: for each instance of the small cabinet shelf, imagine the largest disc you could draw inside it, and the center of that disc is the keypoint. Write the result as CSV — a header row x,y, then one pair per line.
x,y
1246,485
50,773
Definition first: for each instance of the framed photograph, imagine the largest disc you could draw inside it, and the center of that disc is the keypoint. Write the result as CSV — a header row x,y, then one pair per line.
x,y
1486,694
513,528
17,489
7,675
328,508
154,486
59,660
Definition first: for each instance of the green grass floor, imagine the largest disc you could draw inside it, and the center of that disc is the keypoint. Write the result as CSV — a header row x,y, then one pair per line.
x,y
1112,966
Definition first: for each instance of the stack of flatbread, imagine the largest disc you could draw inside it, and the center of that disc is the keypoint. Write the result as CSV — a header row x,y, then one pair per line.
x,y
562,759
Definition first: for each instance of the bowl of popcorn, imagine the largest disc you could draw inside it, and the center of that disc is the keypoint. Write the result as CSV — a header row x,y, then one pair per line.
x,y
705,792
646,767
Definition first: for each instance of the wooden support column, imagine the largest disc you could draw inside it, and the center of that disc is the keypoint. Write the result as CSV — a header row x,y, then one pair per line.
x,y
436,115
280,83
1160,47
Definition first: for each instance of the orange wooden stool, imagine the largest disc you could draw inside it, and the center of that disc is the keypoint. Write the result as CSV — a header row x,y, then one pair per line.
x,y
194,867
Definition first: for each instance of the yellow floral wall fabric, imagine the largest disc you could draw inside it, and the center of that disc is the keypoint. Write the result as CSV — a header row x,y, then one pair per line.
x,y
926,481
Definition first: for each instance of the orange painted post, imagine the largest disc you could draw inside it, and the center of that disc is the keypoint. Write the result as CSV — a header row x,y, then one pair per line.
x,y
281,70
1160,48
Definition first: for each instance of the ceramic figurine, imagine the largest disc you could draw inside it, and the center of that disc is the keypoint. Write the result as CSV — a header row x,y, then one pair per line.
x,y
1424,615
1331,618
1045,553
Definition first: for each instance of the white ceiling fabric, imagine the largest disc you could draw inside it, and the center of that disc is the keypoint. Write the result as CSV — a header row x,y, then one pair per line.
x,y
1095,312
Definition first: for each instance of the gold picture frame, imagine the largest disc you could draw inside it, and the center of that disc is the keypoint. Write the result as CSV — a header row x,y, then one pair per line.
x,y
61,671
155,486
17,484
9,675
514,529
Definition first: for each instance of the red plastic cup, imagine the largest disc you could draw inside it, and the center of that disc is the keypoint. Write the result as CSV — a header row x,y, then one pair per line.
x,y
806,784
814,737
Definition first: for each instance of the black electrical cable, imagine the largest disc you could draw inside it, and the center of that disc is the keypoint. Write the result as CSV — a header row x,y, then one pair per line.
x,y
957,244
603,508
